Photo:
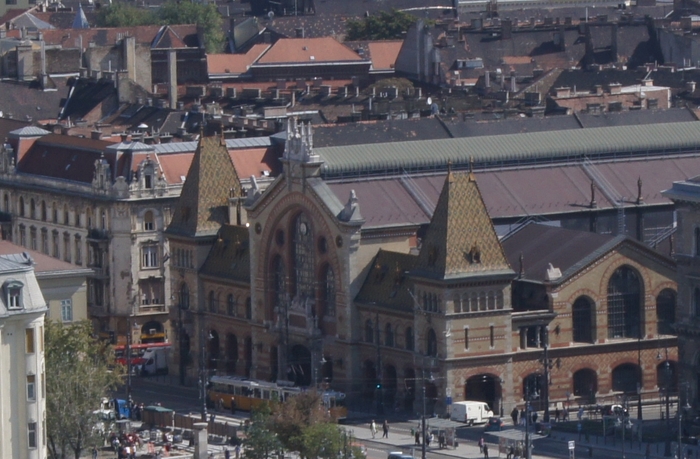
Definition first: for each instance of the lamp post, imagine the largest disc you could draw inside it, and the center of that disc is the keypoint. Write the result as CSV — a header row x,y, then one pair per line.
x,y
203,375
181,340
667,371
640,384
380,391
528,450
128,360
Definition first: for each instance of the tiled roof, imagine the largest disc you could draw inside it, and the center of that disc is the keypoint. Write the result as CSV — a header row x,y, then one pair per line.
x,y
460,240
42,262
384,53
30,131
144,35
308,50
80,21
386,283
28,102
203,204
379,131
224,64
167,38
229,257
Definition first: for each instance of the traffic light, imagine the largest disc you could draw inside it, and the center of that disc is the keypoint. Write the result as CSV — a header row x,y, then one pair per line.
x,y
379,385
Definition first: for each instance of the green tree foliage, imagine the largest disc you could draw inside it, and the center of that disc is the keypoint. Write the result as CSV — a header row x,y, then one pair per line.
x,y
261,441
204,15
80,371
291,418
125,15
385,26
323,441
172,12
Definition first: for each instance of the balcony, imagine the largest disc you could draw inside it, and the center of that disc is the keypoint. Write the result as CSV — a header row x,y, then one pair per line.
x,y
95,234
148,307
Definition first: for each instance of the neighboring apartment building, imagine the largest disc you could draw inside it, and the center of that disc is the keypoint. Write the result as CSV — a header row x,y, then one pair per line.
x,y
64,285
686,198
308,283
22,384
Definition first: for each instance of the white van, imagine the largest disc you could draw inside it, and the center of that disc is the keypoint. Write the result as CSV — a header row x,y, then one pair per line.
x,y
471,412
155,361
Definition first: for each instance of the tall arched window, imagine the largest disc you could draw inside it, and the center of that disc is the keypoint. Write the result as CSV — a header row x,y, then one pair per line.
x,y
582,320
369,331
585,383
66,215
303,254
43,211
665,311
148,221
624,304
409,339
213,307
388,335
6,203
184,296
32,209
279,281
230,305
431,344
328,293
21,206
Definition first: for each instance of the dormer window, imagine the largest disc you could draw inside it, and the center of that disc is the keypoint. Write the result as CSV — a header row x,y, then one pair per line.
x,y
148,181
13,294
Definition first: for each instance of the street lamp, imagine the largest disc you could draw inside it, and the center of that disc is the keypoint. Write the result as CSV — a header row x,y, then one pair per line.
x,y
203,373
667,372
640,384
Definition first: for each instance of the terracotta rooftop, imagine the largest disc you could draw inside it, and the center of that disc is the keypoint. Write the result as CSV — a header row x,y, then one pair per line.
x,y
234,63
384,53
306,50
43,262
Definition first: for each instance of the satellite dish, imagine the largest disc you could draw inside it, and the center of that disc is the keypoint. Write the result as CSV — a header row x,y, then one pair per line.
x,y
270,15
429,101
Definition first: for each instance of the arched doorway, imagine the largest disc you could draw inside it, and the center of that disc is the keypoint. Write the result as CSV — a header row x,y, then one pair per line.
x,y
369,372
484,388
299,369
152,332
667,376
585,384
410,384
214,350
625,378
390,386
625,304
533,386
231,353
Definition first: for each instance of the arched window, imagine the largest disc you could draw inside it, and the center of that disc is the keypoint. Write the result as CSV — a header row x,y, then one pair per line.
x,y
66,216
6,203
583,315
625,378
103,219
409,339
585,383
303,255
388,336
212,302
21,206
248,308
88,216
328,293
665,311
54,212
369,331
230,305
148,221
279,283
624,304
532,386
43,211
32,209
431,344
184,296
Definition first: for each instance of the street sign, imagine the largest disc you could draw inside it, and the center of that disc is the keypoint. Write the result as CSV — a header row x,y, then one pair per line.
x,y
572,445
448,400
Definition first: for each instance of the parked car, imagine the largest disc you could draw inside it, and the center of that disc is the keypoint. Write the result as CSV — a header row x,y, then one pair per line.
x,y
613,410
494,424
399,455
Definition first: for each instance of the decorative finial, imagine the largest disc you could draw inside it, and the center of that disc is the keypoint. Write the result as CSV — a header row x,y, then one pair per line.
x,y
593,203
640,199
521,271
471,164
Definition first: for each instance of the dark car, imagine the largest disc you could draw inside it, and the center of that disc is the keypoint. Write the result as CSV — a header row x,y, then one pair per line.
x,y
494,424
613,410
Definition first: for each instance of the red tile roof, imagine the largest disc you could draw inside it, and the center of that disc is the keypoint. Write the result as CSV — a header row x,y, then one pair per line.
x,y
71,38
234,63
43,263
305,50
384,54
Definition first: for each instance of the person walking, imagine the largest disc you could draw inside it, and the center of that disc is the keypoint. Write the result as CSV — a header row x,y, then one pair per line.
x,y
556,415
522,417
227,453
514,415
486,451
417,435
94,452
385,429
373,428
481,444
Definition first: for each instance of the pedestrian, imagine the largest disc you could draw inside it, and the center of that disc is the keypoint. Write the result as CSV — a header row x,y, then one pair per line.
x,y
373,428
481,444
523,420
431,438
417,436
233,406
486,451
580,413
212,418
556,415
534,417
441,439
385,429
94,452
227,454
238,451
514,415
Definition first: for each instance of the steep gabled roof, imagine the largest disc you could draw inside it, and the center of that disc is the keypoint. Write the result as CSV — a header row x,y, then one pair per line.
x,y
80,21
386,283
167,38
308,50
212,178
460,240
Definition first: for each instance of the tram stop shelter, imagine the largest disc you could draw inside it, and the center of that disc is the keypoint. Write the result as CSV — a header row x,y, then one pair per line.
x,y
447,427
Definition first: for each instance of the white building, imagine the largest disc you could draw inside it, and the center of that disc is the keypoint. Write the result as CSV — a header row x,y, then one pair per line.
x,y
22,379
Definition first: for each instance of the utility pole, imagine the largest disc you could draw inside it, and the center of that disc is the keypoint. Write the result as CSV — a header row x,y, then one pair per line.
x,y
128,360
528,449
423,431
202,374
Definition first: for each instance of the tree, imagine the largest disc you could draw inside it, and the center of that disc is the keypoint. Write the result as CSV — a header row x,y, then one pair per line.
x,y
385,26
292,417
323,440
261,441
124,15
80,371
204,15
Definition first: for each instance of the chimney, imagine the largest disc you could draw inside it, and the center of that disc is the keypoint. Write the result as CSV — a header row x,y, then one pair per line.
x,y
615,88
96,134
648,82
487,79
599,90
129,44
172,78
564,91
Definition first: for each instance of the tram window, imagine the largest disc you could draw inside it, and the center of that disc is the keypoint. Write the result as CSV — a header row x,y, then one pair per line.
x,y
266,395
275,395
256,393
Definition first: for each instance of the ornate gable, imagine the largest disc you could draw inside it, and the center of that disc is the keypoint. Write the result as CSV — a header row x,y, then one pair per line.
x,y
461,240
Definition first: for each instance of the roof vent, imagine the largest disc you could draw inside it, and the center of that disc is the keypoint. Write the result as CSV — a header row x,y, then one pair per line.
x,y
553,273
